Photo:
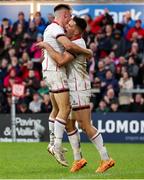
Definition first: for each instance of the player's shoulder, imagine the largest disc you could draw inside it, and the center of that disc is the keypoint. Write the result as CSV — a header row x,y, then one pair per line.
x,y
80,42
53,27
56,26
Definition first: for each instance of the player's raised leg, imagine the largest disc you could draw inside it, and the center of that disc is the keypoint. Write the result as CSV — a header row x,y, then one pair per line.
x,y
52,118
83,116
62,100
74,139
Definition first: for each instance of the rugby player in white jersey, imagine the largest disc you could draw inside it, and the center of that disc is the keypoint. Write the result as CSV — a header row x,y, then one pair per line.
x,y
79,85
56,79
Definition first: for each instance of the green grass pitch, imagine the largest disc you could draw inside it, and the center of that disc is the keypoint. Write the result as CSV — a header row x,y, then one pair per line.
x,y
31,161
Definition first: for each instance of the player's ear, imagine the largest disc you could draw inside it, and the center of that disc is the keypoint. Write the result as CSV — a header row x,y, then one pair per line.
x,y
65,15
77,32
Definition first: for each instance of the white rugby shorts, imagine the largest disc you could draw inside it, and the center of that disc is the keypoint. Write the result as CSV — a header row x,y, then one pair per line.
x,y
80,99
56,81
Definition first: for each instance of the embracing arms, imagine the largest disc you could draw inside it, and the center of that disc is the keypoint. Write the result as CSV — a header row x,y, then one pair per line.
x,y
60,58
72,47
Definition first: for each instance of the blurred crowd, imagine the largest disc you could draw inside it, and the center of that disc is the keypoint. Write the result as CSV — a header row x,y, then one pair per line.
x,y
117,65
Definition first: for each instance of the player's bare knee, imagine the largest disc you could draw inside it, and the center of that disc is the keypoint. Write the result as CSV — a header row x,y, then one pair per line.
x,y
70,126
65,110
69,129
84,127
54,112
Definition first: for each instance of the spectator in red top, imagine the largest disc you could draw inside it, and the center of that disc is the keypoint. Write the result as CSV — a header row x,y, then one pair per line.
x,y
137,28
35,50
32,82
95,25
11,78
101,21
26,69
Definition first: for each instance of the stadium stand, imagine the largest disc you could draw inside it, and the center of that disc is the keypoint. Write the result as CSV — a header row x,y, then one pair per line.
x,y
116,69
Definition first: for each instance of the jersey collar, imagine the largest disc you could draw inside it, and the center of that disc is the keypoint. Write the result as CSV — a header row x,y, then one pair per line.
x,y
76,37
56,22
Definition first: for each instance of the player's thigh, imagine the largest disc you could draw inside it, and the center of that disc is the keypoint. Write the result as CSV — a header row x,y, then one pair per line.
x,y
63,103
83,116
53,101
55,109
62,100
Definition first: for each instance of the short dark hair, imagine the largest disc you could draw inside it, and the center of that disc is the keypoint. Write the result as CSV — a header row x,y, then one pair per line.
x,y
21,13
62,6
5,19
81,23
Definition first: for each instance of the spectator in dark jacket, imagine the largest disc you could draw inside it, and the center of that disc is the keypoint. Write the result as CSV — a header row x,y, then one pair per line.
x,y
118,43
110,82
32,82
32,31
135,53
110,97
138,103
3,72
46,106
133,70
104,44
5,28
100,73
21,20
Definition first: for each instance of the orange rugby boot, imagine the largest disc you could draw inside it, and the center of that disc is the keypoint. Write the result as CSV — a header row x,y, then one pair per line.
x,y
105,165
77,165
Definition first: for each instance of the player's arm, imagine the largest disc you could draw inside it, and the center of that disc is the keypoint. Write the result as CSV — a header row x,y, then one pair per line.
x,y
72,47
60,58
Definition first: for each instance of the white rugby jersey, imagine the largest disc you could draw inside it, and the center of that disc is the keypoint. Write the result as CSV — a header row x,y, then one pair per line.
x,y
51,33
78,78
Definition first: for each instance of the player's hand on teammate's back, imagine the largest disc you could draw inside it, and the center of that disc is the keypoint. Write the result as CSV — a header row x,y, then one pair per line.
x,y
90,55
42,44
